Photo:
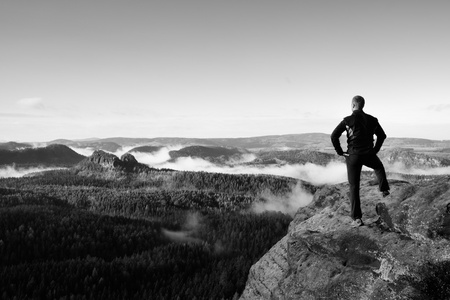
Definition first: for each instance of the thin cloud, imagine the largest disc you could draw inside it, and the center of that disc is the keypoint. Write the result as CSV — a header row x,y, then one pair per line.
x,y
399,167
288,204
332,173
192,223
12,171
31,103
19,115
439,107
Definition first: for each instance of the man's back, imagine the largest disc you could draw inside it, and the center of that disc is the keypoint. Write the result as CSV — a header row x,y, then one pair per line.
x,y
360,128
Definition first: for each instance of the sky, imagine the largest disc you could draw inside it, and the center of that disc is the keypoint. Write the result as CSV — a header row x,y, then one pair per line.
x,y
215,69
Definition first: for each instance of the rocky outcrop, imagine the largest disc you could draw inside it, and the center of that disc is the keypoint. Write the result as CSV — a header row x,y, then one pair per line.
x,y
128,159
101,161
322,257
104,159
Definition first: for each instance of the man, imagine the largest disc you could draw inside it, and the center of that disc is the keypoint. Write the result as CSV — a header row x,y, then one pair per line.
x,y
360,128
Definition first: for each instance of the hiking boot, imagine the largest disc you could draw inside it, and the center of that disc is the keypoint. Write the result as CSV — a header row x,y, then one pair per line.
x,y
357,223
385,193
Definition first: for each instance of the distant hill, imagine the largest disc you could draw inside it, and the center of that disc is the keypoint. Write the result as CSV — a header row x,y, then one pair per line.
x,y
295,141
305,140
415,143
294,157
206,152
14,146
310,141
411,159
146,149
94,144
53,155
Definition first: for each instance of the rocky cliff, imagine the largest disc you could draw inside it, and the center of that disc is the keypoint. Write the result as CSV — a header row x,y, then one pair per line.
x,y
101,161
402,252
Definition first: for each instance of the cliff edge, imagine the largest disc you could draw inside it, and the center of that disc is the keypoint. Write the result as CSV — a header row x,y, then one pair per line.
x,y
402,251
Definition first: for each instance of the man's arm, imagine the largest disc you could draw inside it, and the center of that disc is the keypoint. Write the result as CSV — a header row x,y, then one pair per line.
x,y
381,136
335,135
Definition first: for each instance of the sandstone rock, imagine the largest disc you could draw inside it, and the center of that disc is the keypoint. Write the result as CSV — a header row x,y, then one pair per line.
x,y
106,160
110,165
127,158
322,257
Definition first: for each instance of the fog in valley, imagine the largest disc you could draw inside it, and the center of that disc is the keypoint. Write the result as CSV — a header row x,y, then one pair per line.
x,y
12,171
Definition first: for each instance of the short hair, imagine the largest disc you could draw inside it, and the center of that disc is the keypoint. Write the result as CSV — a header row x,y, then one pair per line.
x,y
359,101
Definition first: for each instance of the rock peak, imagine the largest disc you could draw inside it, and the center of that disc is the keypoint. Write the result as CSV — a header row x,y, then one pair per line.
x,y
104,159
101,161
322,257
129,159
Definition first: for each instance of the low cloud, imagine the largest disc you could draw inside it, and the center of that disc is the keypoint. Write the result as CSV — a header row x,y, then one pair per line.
x,y
180,236
399,167
190,227
288,204
83,151
150,159
334,172
11,171
156,158
87,151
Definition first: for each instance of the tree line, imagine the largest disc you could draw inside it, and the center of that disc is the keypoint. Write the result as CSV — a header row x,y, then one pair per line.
x,y
67,236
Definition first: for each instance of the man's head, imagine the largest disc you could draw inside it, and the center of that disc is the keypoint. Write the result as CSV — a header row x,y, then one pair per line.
x,y
358,103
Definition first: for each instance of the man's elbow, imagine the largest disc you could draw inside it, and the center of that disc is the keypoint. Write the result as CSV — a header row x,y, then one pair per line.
x,y
334,140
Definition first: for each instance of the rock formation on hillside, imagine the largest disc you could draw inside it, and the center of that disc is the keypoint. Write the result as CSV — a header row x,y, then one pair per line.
x,y
322,257
102,161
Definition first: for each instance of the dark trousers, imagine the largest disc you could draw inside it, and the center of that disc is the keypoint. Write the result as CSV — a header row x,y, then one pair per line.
x,y
354,165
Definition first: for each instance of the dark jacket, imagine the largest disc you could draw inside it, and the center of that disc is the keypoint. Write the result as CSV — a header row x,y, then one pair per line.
x,y
360,129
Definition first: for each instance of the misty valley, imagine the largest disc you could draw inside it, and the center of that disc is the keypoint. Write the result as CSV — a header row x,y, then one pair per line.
x,y
167,218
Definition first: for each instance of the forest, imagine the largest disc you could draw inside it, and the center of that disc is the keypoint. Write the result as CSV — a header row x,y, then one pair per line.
x,y
162,234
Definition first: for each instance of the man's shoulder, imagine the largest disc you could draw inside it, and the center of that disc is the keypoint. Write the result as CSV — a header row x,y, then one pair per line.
x,y
367,115
372,117
348,118
355,116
